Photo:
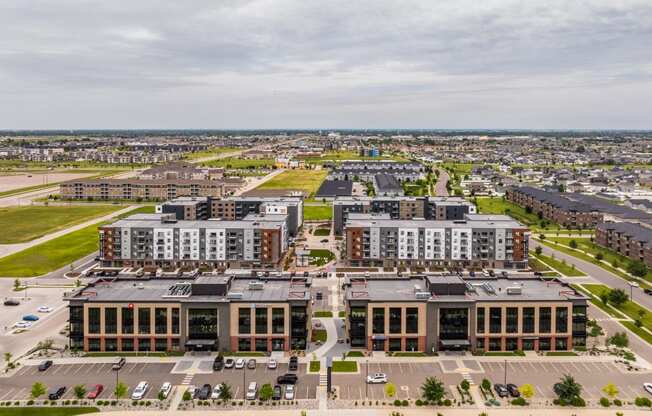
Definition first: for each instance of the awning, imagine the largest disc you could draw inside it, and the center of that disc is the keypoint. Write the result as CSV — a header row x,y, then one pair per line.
x,y
378,337
200,342
455,342
529,338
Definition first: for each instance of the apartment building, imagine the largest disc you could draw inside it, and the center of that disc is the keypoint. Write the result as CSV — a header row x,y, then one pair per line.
x,y
443,312
494,241
403,208
555,207
629,239
236,208
212,312
160,240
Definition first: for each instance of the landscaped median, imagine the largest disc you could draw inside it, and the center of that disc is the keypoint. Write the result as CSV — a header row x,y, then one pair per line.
x,y
560,266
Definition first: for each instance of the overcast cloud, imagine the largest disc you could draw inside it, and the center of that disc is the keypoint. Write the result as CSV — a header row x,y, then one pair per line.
x,y
325,64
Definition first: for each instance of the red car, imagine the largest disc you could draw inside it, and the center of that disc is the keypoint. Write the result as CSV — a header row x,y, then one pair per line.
x,y
95,391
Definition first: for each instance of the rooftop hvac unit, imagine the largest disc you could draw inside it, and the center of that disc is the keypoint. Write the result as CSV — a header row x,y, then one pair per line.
x,y
255,285
422,295
234,295
514,290
417,288
488,288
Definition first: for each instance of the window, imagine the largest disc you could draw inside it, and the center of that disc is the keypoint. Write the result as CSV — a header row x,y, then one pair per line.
x,y
94,321
202,323
143,321
175,320
161,320
261,344
561,344
358,326
395,344
453,323
495,320
161,344
261,321
127,344
394,320
128,321
512,320
561,320
110,344
480,321
544,344
528,320
495,344
111,321
278,320
244,344
144,344
511,344
94,343
244,321
411,320
545,321
579,321
411,344
278,344
378,316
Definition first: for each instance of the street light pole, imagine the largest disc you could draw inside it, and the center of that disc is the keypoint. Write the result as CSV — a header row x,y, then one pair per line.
x,y
505,372
366,384
244,383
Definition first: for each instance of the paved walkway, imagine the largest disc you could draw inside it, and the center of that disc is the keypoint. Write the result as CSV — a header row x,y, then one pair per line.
x,y
442,180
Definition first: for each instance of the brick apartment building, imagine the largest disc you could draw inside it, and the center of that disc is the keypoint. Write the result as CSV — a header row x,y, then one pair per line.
x,y
629,239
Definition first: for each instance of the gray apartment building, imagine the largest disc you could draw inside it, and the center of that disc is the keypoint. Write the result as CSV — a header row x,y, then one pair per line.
x,y
404,208
236,208
160,240
213,312
478,241
444,312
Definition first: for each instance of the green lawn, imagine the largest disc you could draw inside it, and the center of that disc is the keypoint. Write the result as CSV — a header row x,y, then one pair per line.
x,y
342,314
55,254
236,163
322,232
20,224
336,156
319,335
605,308
315,366
561,354
629,308
323,314
317,213
354,354
319,257
345,366
500,206
536,265
212,151
306,180
47,411
560,266
504,354
408,354
245,354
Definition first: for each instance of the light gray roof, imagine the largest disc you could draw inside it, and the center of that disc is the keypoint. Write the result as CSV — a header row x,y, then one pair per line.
x,y
154,221
363,222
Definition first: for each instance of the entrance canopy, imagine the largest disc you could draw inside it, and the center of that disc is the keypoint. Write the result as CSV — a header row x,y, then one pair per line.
x,y
200,343
455,343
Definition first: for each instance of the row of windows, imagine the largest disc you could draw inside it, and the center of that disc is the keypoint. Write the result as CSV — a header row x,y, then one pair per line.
x,y
511,344
129,344
395,320
127,318
260,320
528,320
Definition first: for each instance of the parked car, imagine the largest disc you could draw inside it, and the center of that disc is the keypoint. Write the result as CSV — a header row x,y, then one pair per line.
x,y
205,392
252,391
165,389
471,273
277,393
294,363
95,391
120,362
56,393
44,309
501,390
287,378
324,241
217,391
251,364
218,364
648,387
272,364
319,295
492,273
12,302
513,390
289,392
30,318
306,274
240,363
22,324
140,391
45,365
647,291
229,363
504,274
377,378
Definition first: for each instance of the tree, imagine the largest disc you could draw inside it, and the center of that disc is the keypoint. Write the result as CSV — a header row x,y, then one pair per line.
x,y
542,236
617,297
538,250
80,391
527,391
390,389
637,268
567,389
160,396
120,391
186,396
17,284
266,392
433,389
599,256
610,390
572,244
8,356
619,339
38,390
486,384
604,297
46,344
225,392
465,385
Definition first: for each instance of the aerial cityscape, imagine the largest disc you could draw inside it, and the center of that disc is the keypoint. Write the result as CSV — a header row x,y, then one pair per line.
x,y
290,208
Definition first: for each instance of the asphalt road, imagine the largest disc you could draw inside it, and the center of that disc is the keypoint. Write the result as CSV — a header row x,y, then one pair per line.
x,y
442,180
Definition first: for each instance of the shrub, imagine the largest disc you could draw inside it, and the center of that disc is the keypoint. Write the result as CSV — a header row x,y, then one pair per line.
x,y
617,402
405,403
519,401
604,402
397,402
642,402
135,402
447,402
578,402
30,402
419,402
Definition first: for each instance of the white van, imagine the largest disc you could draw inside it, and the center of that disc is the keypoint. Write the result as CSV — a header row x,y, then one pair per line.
x,y
252,391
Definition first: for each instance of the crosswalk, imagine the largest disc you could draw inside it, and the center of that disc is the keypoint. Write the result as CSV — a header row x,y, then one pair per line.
x,y
187,379
323,379
467,377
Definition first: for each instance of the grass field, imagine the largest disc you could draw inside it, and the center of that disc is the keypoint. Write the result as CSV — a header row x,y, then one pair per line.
x,y
20,224
319,257
560,266
345,366
629,308
213,151
47,411
57,253
349,155
236,163
315,366
319,335
317,213
322,232
323,314
500,206
302,179
536,265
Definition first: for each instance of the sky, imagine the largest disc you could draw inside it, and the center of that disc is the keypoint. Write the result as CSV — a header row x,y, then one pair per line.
x,y
81,64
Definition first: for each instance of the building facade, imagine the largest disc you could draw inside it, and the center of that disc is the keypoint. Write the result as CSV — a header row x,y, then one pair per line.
x,y
631,240
212,312
434,313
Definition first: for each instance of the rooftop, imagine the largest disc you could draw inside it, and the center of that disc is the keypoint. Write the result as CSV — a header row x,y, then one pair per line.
x,y
369,221
331,188
158,221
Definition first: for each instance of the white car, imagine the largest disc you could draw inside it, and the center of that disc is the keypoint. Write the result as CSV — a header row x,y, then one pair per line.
x,y
44,309
648,387
289,392
252,391
240,363
22,324
140,391
272,364
192,390
217,390
377,378
166,388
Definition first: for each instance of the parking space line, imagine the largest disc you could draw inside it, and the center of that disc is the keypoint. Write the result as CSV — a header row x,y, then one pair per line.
x,y
7,394
20,394
133,366
142,368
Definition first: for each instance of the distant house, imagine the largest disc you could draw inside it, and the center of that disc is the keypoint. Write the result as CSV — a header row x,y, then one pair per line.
x,y
333,188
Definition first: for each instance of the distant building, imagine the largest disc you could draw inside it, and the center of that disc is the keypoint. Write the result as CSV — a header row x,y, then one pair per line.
x,y
387,185
628,239
334,188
